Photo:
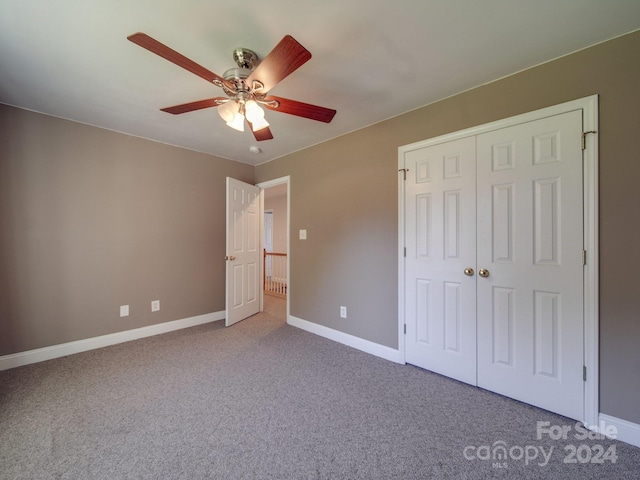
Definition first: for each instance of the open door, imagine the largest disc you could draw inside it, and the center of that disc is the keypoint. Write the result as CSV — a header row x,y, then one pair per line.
x,y
243,251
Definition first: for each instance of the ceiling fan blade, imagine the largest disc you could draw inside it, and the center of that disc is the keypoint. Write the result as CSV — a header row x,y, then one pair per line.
x,y
191,106
154,46
284,59
300,109
262,134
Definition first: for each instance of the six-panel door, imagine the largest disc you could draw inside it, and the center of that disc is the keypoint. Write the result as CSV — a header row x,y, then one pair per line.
x,y
440,239
530,228
243,251
513,323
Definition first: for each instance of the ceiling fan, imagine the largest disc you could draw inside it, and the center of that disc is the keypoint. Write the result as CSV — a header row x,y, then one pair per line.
x,y
247,86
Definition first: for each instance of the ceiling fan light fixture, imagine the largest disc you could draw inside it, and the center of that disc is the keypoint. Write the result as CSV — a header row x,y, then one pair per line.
x,y
237,122
228,110
253,110
255,115
259,124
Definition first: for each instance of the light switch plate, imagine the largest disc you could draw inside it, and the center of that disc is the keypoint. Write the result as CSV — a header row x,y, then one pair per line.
x,y
124,310
303,234
155,305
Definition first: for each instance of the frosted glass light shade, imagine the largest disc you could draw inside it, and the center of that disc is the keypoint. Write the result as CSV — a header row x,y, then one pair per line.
x,y
259,124
255,115
228,110
253,110
237,122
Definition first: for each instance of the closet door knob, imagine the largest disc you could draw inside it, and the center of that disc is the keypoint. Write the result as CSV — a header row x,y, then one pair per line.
x,y
483,272
469,272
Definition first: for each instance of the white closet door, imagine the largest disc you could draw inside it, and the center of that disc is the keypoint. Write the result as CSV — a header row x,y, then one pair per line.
x,y
530,230
440,308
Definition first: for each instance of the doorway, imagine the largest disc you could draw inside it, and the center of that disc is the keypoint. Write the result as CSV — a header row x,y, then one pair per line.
x,y
275,201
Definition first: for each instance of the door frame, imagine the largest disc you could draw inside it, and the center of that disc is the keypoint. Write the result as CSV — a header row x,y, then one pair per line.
x,y
589,107
268,184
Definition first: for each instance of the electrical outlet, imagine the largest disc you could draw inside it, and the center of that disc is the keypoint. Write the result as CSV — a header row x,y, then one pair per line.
x,y
124,310
303,234
155,305
343,312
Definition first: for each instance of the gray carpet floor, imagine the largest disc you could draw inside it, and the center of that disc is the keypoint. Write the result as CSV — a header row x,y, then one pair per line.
x,y
264,400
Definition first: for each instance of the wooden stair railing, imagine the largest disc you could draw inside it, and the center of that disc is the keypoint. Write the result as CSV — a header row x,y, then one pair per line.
x,y
274,276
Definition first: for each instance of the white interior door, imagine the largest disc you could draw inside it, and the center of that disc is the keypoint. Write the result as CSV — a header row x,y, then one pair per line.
x,y
440,212
243,251
530,241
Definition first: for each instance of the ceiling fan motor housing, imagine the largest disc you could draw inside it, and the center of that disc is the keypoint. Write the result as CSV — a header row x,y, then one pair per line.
x,y
237,77
245,58
247,61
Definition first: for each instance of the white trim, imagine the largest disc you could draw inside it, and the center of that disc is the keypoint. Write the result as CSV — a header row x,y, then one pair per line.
x,y
358,343
401,256
275,182
628,432
268,184
64,349
589,107
588,104
591,275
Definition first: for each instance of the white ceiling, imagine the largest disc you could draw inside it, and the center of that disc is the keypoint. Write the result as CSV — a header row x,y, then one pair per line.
x,y
372,59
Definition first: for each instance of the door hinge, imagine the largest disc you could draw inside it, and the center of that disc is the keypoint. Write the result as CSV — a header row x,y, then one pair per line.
x,y
584,138
405,252
405,328
404,172
584,257
584,373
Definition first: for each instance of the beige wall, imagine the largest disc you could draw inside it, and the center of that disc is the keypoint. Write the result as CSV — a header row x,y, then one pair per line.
x,y
92,219
344,192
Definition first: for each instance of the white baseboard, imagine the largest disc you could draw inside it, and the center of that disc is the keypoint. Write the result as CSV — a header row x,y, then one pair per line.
x,y
64,349
628,432
358,343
